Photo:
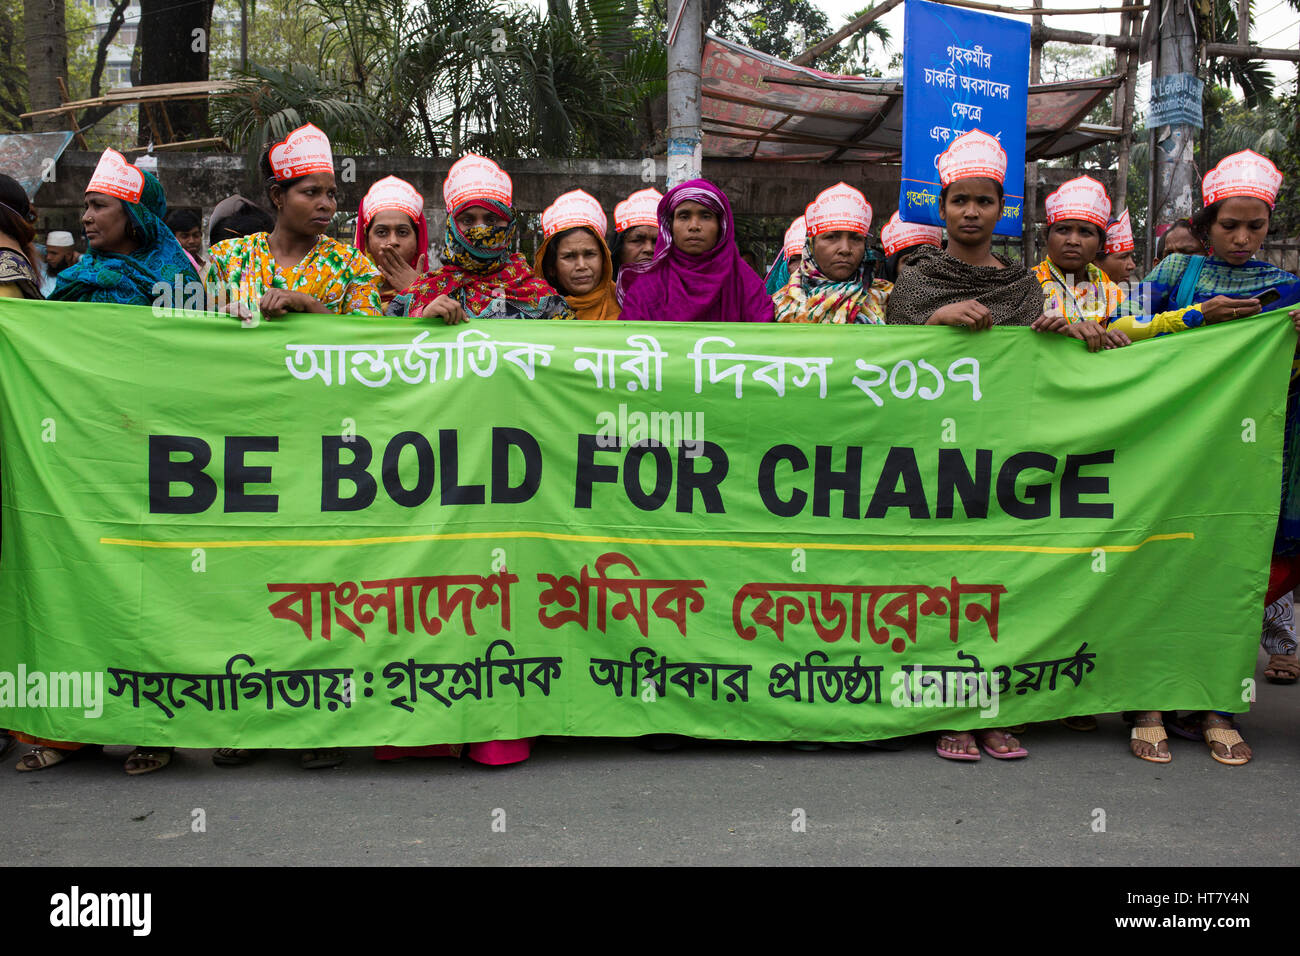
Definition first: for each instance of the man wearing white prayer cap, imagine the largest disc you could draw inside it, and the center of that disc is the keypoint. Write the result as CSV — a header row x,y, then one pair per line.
x,y
60,252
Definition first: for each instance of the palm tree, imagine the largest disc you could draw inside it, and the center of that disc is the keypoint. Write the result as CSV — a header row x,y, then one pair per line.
x,y
446,76
1217,23
858,50
267,104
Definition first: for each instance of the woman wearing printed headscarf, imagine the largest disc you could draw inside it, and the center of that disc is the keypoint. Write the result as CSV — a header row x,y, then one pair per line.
x,y
697,274
20,276
573,256
129,247
130,251
636,227
481,278
295,267
1239,195
393,231
833,283
787,260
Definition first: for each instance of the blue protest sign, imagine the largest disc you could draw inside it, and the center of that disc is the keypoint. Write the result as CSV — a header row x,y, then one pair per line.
x,y
962,70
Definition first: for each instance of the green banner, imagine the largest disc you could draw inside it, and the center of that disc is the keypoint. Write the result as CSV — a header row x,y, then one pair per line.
x,y
334,531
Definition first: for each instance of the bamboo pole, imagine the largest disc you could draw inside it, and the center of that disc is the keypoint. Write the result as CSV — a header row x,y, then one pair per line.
x,y
848,30
1036,11
1133,25
1029,240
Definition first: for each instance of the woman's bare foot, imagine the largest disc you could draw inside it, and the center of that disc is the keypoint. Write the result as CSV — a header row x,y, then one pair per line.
x,y
999,741
962,743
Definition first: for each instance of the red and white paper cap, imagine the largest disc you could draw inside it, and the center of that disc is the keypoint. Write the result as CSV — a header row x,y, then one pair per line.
x,y
794,238
898,235
573,209
393,193
116,177
1119,236
304,151
1082,198
839,208
476,177
639,209
973,155
1242,174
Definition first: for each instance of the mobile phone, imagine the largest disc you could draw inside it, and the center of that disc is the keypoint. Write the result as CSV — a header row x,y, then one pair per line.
x,y
1267,298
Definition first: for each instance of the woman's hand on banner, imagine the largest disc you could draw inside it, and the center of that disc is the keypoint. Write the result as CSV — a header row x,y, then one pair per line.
x,y
276,302
1089,332
1295,319
963,315
1050,323
1115,339
445,308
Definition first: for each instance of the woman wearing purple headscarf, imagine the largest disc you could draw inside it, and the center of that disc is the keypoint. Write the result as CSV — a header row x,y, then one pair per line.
x,y
697,274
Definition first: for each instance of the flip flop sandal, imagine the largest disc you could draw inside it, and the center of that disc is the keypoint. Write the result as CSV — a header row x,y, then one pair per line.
x,y
152,760
1188,731
1286,668
1227,736
951,755
1154,736
321,759
1082,723
1010,754
41,758
7,742
232,757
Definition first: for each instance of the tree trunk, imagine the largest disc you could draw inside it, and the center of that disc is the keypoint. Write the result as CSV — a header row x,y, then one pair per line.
x,y
171,51
45,47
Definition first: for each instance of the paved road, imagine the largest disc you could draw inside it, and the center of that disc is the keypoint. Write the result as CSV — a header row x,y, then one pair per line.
x,y
597,801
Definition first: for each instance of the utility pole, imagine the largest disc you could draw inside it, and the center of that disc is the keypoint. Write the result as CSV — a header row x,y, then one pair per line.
x,y
1175,159
1150,252
685,53
243,34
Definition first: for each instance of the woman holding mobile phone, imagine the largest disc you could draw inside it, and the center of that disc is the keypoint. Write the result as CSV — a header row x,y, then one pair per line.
x,y
1230,284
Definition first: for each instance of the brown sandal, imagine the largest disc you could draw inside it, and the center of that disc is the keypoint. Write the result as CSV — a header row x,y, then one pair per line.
x,y
1285,668
41,758
147,761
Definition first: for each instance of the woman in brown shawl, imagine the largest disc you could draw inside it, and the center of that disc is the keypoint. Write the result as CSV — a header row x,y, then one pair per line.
x,y
968,284
971,287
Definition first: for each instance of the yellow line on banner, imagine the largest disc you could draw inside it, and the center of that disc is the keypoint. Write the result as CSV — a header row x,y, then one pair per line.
x,y
668,542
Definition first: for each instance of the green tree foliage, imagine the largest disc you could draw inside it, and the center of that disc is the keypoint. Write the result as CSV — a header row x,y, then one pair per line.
x,y
13,71
447,76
